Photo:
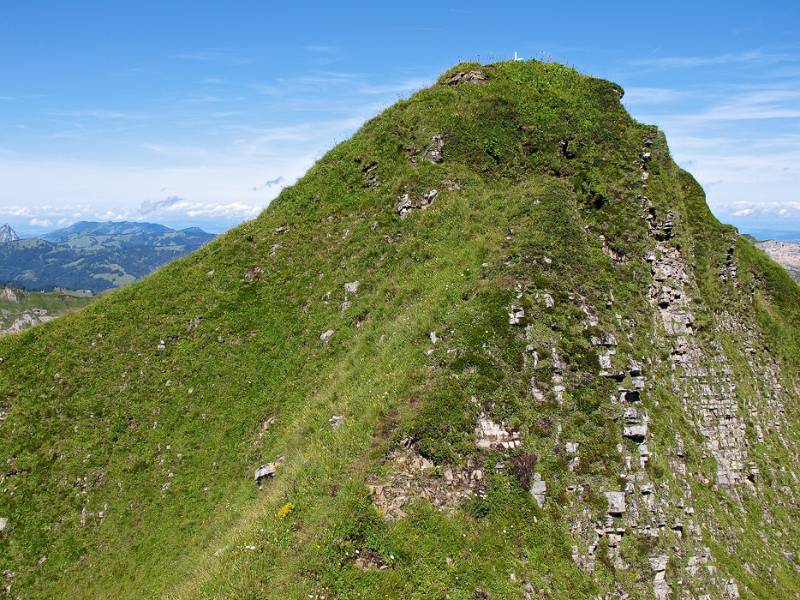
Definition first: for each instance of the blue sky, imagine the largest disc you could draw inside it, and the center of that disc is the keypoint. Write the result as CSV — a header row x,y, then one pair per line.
x,y
198,113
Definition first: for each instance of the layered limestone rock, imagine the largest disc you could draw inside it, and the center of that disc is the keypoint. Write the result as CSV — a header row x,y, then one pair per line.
x,y
492,436
702,377
701,370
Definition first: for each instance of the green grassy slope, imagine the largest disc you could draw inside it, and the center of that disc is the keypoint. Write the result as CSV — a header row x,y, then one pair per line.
x,y
132,429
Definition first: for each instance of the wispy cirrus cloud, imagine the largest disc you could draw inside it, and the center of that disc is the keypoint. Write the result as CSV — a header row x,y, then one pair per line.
x,y
400,87
215,153
179,151
737,129
743,178
323,54
764,104
750,57
226,56
650,95
100,114
330,92
315,82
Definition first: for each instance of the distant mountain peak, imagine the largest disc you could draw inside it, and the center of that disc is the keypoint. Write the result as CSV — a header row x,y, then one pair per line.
x,y
105,228
7,234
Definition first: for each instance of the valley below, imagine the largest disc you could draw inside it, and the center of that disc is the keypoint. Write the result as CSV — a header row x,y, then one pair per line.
x,y
90,257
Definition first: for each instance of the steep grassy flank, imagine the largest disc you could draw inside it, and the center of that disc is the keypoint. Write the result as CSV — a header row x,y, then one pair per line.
x,y
133,428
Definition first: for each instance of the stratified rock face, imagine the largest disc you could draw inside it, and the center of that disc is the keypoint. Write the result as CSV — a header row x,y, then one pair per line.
x,y
702,376
490,435
7,234
702,379
502,343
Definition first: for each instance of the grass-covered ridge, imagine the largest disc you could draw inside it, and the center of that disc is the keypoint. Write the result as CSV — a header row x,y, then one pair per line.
x,y
132,428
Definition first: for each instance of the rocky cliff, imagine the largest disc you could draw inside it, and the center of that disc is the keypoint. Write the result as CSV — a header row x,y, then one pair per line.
x,y
784,253
493,346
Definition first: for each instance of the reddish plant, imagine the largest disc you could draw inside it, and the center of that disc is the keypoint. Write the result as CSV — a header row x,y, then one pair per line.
x,y
523,467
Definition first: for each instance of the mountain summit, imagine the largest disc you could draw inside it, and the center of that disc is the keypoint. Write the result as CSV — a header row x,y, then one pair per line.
x,y
7,234
493,346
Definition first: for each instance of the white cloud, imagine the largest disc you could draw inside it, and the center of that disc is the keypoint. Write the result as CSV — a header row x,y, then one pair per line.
x,y
739,141
174,205
313,82
15,211
179,151
150,206
766,104
101,114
